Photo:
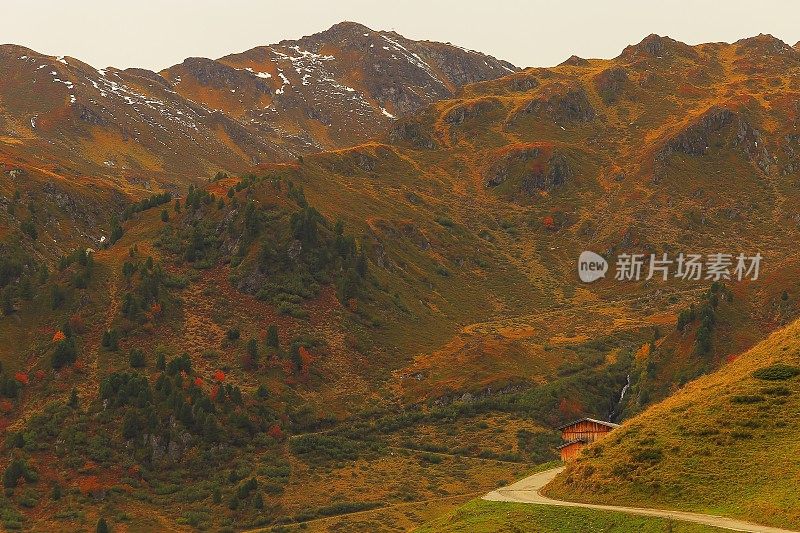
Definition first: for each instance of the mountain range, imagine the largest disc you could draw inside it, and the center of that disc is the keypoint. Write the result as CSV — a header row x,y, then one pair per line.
x,y
272,103
331,282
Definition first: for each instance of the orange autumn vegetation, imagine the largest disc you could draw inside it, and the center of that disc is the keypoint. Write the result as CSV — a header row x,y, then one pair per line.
x,y
89,485
305,359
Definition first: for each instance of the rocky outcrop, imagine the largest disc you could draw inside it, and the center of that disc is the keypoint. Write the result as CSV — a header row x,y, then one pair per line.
x,y
411,132
553,175
460,113
89,115
695,139
500,171
412,232
165,450
765,44
750,139
570,106
656,46
461,67
148,75
535,168
610,84
220,76
522,83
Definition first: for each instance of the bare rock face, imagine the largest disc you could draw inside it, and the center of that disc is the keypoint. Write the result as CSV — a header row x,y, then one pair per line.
x,y
522,83
553,175
570,106
413,133
610,84
89,115
500,171
461,113
534,168
220,76
696,139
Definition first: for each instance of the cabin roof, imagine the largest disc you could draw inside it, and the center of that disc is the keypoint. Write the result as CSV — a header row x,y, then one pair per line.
x,y
601,422
570,443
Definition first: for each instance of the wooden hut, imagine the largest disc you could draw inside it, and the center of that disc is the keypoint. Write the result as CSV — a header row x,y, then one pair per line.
x,y
578,434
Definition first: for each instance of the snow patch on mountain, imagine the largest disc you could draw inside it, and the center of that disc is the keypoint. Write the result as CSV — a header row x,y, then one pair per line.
x,y
412,58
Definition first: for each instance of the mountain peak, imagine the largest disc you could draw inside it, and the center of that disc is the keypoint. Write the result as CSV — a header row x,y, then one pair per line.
x,y
575,61
18,50
765,43
348,25
341,31
658,46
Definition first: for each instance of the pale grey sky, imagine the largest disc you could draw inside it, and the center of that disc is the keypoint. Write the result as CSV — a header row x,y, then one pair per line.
x,y
155,34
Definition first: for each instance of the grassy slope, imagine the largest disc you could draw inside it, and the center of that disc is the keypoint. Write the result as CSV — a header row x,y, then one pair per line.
x,y
726,443
480,516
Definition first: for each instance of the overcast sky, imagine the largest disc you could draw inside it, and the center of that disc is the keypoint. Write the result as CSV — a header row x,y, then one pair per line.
x,y
155,34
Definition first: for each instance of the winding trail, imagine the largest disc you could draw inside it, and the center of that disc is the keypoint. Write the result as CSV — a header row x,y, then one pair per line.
x,y
528,491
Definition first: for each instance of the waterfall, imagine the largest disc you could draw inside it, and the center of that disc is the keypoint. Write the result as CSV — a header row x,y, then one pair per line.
x,y
618,408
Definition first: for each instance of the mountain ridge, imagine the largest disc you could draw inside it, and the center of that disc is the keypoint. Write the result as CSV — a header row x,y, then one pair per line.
x,y
273,102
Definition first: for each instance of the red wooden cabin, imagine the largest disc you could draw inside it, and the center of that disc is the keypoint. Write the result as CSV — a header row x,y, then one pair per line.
x,y
578,434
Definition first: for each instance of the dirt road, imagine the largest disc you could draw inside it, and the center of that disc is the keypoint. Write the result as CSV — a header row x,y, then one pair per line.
x,y
527,491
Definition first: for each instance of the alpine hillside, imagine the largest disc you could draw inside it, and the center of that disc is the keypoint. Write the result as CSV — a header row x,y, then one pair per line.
x,y
211,332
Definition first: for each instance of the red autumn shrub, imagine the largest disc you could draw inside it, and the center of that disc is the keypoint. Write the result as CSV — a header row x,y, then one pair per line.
x,y
59,336
6,406
22,377
275,432
219,375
